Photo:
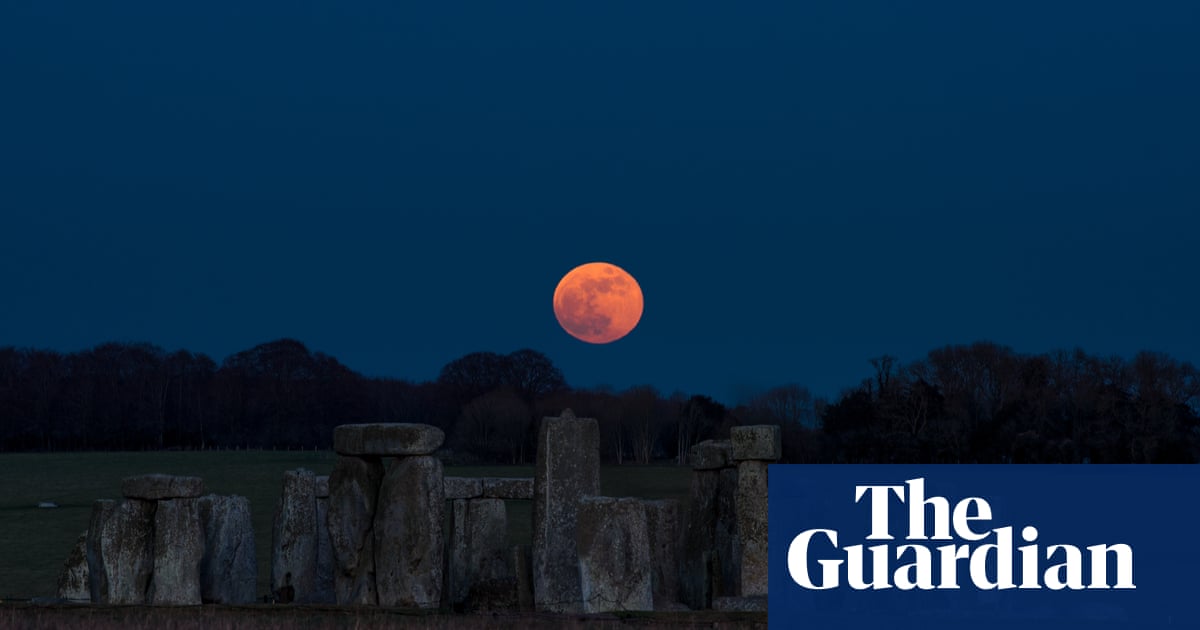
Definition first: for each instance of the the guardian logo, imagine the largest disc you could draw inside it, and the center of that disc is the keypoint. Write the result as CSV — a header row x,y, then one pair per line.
x,y
974,551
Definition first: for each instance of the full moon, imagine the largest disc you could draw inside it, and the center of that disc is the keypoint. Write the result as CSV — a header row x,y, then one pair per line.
x,y
598,302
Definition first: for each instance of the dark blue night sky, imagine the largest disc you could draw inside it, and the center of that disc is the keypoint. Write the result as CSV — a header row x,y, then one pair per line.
x,y
797,187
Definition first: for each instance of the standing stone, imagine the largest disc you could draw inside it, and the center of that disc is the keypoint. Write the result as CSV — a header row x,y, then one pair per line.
x,y
615,567
710,455
324,593
391,439
724,569
121,552
699,535
353,489
73,581
178,548
752,526
523,570
478,559
294,555
662,529
321,486
568,469
228,569
102,509
409,542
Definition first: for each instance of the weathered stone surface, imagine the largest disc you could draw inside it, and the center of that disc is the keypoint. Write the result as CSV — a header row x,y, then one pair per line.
x,y
102,509
662,530
522,564
321,486
724,571
325,592
740,604
752,527
759,441
409,543
508,487
383,439
463,487
155,487
178,548
294,536
73,581
353,489
568,468
121,551
228,569
478,529
699,534
615,569
710,455
457,571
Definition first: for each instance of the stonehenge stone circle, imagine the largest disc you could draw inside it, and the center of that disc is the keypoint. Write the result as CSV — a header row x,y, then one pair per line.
x,y
370,534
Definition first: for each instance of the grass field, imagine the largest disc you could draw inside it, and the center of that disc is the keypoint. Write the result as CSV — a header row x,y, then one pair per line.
x,y
34,542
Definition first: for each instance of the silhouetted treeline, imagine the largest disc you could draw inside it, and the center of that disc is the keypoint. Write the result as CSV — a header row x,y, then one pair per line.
x,y
977,403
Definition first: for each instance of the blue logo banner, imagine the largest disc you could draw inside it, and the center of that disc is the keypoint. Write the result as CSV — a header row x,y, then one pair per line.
x,y
983,546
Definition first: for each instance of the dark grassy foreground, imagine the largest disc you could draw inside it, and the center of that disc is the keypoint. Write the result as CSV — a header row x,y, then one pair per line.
x,y
34,542
267,617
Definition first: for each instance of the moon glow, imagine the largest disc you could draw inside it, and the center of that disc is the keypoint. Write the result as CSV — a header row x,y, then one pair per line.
x,y
598,302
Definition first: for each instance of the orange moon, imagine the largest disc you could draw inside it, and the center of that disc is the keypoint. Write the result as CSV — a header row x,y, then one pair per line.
x,y
598,302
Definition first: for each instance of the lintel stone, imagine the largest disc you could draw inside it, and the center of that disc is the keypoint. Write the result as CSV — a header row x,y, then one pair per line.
x,y
387,439
508,488
463,487
759,442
